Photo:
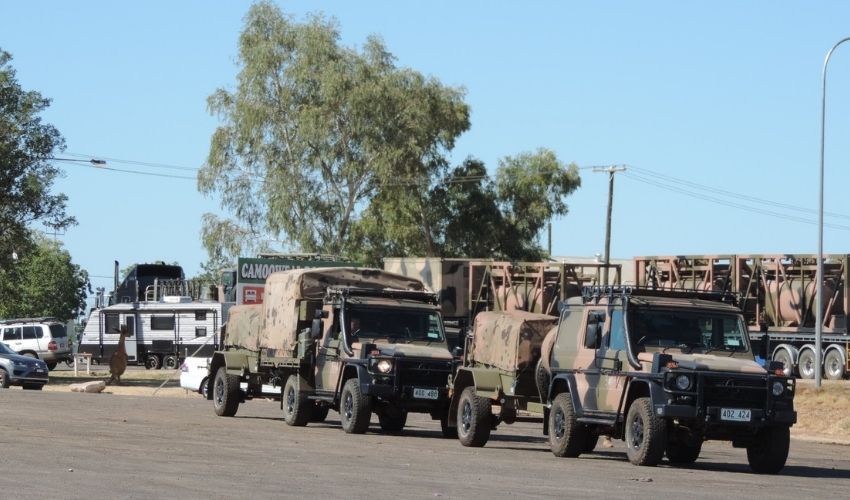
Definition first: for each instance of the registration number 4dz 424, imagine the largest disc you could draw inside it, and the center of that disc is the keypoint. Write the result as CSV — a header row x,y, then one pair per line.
x,y
735,414
420,393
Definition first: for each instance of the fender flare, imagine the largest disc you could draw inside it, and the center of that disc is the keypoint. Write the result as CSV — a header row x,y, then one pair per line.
x,y
348,371
487,383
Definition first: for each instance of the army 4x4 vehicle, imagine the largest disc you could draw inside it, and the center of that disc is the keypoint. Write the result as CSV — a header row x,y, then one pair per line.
x,y
355,340
664,371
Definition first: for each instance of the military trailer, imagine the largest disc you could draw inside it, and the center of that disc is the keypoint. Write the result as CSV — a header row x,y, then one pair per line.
x,y
499,365
664,371
355,340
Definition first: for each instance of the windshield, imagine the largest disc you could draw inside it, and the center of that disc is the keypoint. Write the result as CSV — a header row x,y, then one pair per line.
x,y
688,330
4,349
401,324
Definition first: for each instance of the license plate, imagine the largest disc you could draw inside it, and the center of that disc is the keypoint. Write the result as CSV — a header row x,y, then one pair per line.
x,y
735,414
425,393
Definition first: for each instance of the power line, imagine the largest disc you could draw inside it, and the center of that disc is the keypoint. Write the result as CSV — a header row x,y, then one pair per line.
x,y
135,162
126,171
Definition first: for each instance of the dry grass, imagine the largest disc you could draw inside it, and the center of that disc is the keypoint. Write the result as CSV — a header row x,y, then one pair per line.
x,y
157,383
823,414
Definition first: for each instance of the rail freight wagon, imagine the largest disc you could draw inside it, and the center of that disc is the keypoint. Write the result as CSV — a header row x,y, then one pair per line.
x,y
778,292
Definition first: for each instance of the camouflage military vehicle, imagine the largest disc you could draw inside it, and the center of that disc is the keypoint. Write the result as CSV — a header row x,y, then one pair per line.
x,y
498,368
664,371
355,340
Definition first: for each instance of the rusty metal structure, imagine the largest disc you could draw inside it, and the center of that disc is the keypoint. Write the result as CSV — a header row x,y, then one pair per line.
x,y
777,292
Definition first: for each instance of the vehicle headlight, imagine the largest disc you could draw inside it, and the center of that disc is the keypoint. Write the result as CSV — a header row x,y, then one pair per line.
x,y
683,382
384,366
778,388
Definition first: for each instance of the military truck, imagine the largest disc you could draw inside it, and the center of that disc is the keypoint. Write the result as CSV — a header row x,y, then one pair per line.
x,y
355,340
664,371
499,368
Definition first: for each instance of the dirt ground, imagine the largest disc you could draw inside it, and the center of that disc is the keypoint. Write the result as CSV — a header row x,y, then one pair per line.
x,y
822,416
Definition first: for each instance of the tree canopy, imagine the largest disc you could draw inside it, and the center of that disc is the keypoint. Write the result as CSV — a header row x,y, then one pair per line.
x,y
43,282
312,130
26,174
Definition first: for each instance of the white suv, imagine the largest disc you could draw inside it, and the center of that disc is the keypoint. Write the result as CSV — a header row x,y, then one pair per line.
x,y
42,338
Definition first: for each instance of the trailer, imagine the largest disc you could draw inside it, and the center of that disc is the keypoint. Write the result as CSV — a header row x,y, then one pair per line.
x,y
777,294
161,333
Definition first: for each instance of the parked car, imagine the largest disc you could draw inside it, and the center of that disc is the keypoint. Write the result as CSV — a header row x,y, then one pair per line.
x,y
42,338
21,370
194,374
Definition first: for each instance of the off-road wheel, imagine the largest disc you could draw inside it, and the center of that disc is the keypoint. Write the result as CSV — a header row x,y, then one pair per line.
x,y
33,387
319,413
225,393
4,379
296,407
770,451
683,452
474,419
152,362
541,379
354,409
567,438
392,424
784,357
806,364
833,365
646,434
51,364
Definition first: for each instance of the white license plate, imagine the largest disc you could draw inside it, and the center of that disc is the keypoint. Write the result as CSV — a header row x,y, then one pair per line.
x,y
735,415
425,393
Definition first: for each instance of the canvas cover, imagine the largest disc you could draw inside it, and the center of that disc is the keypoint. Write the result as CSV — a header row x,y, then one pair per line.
x,y
509,340
276,333
244,326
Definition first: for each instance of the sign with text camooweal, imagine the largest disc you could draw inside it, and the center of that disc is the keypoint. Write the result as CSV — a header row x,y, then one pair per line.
x,y
251,274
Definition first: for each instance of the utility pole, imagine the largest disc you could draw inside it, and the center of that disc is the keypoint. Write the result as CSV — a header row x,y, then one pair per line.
x,y
607,257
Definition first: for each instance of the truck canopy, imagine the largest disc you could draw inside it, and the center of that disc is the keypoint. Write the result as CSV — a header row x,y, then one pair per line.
x,y
509,340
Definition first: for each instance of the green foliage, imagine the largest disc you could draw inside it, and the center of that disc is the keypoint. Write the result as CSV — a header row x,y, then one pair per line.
x,y
26,176
43,282
313,132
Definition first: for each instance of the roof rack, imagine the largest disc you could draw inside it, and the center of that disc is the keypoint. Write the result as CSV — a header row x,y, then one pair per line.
x,y
391,293
41,319
597,292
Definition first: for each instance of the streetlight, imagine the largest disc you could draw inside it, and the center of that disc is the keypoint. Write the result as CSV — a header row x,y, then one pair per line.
x,y
819,301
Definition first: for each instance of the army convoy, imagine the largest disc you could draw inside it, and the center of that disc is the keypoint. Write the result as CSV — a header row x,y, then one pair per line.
x,y
662,370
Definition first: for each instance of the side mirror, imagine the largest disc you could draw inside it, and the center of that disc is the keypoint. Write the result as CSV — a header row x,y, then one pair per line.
x,y
591,338
316,329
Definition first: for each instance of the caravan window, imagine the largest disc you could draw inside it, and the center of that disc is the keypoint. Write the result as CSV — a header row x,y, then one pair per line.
x,y
112,325
162,322
200,331
200,315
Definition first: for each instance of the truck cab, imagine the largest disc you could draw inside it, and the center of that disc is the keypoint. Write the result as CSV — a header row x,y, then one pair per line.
x,y
664,371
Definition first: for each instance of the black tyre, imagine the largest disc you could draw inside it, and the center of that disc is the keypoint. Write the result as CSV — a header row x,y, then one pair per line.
x,y
30,355
806,364
393,424
646,434
354,409
171,362
296,407
833,365
152,362
225,393
770,452
51,364
204,390
541,379
474,419
784,357
4,379
567,438
319,413
683,452
33,387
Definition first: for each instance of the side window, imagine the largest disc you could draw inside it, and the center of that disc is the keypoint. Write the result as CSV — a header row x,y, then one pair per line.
x,y
162,322
13,333
29,333
200,331
618,331
200,315
111,323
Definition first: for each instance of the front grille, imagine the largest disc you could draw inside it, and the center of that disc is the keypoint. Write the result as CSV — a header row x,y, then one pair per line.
x,y
424,373
734,391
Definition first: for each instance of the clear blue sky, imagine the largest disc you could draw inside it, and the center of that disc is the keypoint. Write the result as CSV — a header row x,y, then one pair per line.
x,y
723,94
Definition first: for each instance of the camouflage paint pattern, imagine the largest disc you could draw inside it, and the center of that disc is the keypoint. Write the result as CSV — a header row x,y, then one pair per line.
x,y
509,340
244,327
447,277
